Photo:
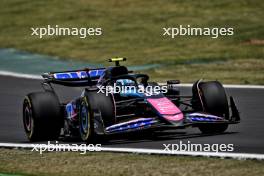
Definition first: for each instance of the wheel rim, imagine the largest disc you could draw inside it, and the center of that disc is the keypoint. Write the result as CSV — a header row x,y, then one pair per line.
x,y
28,117
84,121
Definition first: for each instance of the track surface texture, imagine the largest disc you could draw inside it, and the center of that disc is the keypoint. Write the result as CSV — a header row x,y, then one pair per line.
x,y
247,136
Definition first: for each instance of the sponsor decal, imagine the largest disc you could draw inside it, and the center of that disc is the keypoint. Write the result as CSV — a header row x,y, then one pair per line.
x,y
166,108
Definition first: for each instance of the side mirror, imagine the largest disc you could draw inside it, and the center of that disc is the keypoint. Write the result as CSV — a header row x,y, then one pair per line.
x,y
144,81
169,82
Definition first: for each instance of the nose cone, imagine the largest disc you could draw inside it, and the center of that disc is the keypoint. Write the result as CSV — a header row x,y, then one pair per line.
x,y
166,109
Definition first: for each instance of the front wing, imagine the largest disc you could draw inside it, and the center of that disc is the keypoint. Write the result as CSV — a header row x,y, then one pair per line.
x,y
190,119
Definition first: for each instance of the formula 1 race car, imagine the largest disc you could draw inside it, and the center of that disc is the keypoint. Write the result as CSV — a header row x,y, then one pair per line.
x,y
99,112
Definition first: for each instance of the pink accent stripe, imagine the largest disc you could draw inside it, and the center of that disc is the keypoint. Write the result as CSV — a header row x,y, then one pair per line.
x,y
166,108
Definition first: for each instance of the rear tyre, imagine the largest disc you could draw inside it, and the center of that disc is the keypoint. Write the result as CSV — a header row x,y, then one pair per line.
x,y
42,117
210,97
89,103
86,124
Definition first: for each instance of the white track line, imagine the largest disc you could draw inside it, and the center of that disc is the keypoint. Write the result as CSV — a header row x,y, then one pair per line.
x,y
30,76
239,156
19,75
232,86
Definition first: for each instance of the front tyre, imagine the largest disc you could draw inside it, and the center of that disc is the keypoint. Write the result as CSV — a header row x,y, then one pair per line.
x,y
210,97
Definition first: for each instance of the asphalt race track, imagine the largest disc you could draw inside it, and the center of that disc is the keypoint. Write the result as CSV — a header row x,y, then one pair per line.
x,y
247,137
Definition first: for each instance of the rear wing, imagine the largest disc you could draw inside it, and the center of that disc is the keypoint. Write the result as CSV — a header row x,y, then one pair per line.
x,y
85,77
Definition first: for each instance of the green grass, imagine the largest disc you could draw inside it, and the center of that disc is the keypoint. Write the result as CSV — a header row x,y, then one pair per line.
x,y
25,162
133,29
